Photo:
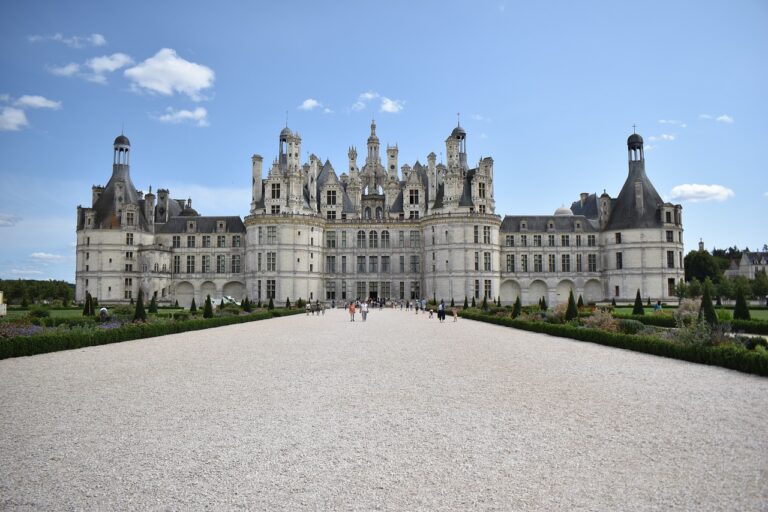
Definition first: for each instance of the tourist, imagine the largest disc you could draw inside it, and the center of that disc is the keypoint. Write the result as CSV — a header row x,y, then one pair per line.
x,y
364,311
441,311
430,313
657,307
351,311
455,313
308,308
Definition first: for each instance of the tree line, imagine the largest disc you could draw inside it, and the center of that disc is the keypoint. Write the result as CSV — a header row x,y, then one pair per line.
x,y
31,291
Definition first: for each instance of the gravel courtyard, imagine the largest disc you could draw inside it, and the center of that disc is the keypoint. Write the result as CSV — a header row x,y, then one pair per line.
x,y
397,413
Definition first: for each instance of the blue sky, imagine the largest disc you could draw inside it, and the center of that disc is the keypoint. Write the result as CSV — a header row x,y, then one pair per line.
x,y
550,90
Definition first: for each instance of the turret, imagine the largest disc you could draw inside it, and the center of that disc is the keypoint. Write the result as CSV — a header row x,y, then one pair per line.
x,y
432,177
392,161
149,206
373,146
96,192
256,184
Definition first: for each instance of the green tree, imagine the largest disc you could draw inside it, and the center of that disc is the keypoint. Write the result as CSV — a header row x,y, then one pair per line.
x,y
580,303
208,307
139,315
743,283
725,288
741,309
694,288
700,264
572,312
474,305
221,304
193,306
466,302
613,302
484,305
517,308
176,304
544,305
153,305
707,310
453,304
88,306
271,304
760,285
681,290
638,308
287,303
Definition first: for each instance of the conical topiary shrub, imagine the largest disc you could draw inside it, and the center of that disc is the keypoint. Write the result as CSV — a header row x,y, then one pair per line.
x,y
193,306
287,303
466,302
517,308
572,312
474,304
271,304
139,315
453,304
580,303
707,311
153,305
208,307
544,306
741,309
638,307
87,307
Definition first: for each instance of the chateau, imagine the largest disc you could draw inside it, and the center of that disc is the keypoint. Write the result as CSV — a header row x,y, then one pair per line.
x,y
378,231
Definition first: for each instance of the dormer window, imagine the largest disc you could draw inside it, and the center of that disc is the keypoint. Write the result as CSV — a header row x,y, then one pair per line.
x,y
523,225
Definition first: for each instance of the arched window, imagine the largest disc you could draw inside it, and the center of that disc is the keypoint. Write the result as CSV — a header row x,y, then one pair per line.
x,y
367,213
385,239
361,239
378,213
373,240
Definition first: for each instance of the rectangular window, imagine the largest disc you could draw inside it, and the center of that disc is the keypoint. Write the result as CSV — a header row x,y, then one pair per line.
x,y
537,240
524,263
361,290
402,264
486,261
385,239
330,264
578,240
207,240
477,288
373,264
207,263
591,241
524,240
176,264
330,290
510,240
415,290
566,263
385,263
477,261
258,262
260,237
618,238
128,267
486,234
537,263
330,198
270,288
330,215
413,197
670,259
481,208
343,264
619,261
236,241
235,263
551,240
476,232
579,266
487,289
565,240
670,236
481,190
190,264
129,239
671,286
274,209
191,241
551,262
668,217
414,262
343,290
271,261
592,262
343,239
275,191
373,289
510,262
415,239
220,264
176,241
402,290
271,234
129,218
361,264
330,239
616,291
221,241
385,292
128,255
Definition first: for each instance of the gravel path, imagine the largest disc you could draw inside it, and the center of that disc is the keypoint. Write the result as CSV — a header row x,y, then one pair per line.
x,y
398,413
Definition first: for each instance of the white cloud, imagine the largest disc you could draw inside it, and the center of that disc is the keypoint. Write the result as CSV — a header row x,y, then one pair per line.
x,y
326,110
37,102
391,106
72,42
673,122
705,116
100,66
166,73
725,118
199,116
696,193
45,256
70,69
664,136
25,272
364,99
478,117
309,104
12,119
7,220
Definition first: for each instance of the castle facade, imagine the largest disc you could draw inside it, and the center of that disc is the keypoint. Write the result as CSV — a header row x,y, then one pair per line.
x,y
377,231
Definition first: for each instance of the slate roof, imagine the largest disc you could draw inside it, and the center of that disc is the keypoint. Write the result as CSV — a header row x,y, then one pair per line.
x,y
233,224
540,223
625,213
589,209
106,214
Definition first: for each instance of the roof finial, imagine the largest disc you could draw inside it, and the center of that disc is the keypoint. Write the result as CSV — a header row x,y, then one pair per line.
x,y
633,128
458,118
286,119
122,128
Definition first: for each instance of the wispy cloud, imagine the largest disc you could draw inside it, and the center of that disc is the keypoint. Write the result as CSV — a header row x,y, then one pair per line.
x,y
199,116
722,118
94,70
310,104
166,73
45,256
673,122
391,106
8,220
479,117
664,136
12,119
364,99
72,41
70,69
28,101
696,193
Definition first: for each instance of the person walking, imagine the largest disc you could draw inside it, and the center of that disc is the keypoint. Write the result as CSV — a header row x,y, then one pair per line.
x,y
441,311
455,313
364,311
351,311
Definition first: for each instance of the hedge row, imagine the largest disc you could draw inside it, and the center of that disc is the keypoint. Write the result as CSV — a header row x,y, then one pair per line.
x,y
744,326
55,341
727,356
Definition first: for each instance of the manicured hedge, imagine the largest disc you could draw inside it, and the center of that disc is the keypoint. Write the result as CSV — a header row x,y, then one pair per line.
x,y
749,326
745,326
727,356
657,320
55,341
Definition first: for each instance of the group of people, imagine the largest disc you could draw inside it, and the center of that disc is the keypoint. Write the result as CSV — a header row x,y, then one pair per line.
x,y
362,306
421,305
